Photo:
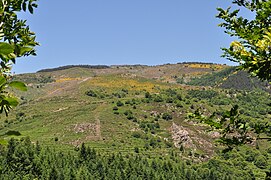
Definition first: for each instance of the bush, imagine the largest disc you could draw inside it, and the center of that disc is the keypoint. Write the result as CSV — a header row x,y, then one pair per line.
x,y
179,105
119,103
167,116
147,95
261,162
136,134
169,100
158,99
168,144
130,117
136,150
126,113
179,97
115,108
91,93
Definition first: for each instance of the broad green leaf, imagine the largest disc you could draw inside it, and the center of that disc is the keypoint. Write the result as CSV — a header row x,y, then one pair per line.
x,y
18,85
12,101
5,48
12,56
2,80
30,8
24,50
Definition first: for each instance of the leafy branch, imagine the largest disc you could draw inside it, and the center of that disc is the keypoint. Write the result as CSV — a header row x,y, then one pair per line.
x,y
234,130
252,50
16,40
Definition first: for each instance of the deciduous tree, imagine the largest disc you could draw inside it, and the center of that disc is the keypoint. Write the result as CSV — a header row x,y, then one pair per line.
x,y
16,40
252,49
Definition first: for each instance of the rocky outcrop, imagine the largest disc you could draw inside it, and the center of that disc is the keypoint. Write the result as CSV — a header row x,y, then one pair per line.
x,y
181,136
194,139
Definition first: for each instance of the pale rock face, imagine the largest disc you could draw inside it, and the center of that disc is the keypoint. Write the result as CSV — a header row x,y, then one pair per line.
x,y
181,136
191,140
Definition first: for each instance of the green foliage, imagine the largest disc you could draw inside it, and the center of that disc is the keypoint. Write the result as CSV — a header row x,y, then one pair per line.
x,y
22,159
167,116
34,78
13,133
137,134
115,108
75,66
202,94
234,130
119,103
16,40
158,98
91,93
211,79
147,95
252,50
136,150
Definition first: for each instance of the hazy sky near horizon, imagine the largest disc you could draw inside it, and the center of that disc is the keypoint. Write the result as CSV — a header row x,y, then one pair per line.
x,y
111,32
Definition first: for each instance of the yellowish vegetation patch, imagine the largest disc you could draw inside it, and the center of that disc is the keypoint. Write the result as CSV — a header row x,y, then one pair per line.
x,y
130,84
207,66
67,79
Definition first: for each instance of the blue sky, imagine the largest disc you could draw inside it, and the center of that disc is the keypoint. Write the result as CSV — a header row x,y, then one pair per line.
x,y
125,32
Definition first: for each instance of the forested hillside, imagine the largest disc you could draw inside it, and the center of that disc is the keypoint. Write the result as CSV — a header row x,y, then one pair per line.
x,y
24,160
139,118
231,78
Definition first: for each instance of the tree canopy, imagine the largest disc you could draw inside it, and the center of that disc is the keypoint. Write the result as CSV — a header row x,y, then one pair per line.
x,y
253,47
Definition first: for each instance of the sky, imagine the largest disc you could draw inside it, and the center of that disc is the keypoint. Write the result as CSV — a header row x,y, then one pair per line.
x,y
117,32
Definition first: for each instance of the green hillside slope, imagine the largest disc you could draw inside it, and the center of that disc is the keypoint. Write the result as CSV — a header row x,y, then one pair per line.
x,y
134,109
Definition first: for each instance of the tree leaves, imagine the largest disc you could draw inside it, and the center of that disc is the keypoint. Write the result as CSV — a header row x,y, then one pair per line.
x,y
252,50
6,103
6,48
233,129
16,41
18,85
2,80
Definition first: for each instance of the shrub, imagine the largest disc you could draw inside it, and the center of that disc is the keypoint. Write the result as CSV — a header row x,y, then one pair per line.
x,y
158,99
179,105
179,97
119,103
168,144
91,93
169,100
136,134
130,117
126,113
136,150
167,116
115,108
147,95
261,162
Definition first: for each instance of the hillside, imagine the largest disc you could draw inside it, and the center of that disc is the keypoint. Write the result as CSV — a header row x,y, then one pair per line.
x,y
132,109
230,78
